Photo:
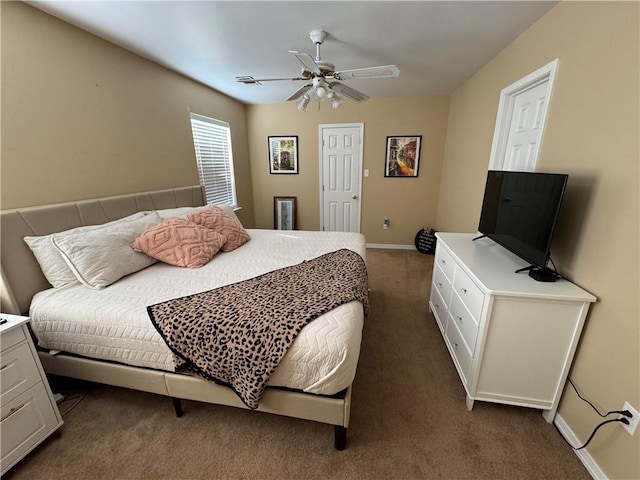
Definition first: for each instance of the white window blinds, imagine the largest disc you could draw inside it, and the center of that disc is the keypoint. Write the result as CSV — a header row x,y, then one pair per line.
x,y
212,143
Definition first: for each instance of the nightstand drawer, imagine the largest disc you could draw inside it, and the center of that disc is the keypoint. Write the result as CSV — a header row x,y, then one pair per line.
x,y
18,373
11,337
26,421
469,293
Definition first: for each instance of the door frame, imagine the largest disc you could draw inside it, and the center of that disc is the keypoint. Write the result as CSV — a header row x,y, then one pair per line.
x,y
321,127
546,73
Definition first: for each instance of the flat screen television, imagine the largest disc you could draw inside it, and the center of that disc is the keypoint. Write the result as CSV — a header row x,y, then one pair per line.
x,y
519,212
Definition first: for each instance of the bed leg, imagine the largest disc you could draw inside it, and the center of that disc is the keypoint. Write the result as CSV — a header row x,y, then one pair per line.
x,y
340,437
177,406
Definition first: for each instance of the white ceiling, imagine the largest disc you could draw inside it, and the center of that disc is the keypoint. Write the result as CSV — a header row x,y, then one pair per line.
x,y
436,45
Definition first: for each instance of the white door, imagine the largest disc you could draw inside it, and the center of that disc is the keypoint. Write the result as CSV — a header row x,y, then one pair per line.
x,y
341,170
522,112
525,131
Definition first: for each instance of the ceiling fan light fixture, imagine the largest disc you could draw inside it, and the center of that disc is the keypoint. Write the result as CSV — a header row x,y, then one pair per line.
x,y
321,92
303,103
336,101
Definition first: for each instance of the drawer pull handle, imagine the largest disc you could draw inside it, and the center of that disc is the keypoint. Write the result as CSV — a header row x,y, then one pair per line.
x,y
463,290
459,318
436,305
455,345
443,261
13,411
439,284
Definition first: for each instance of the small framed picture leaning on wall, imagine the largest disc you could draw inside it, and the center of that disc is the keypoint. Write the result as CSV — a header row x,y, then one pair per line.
x,y
283,154
402,156
284,213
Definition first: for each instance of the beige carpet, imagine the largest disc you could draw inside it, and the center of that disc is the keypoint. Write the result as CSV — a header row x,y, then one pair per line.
x,y
408,417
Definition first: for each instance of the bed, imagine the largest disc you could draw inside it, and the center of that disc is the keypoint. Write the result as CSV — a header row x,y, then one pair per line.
x,y
107,336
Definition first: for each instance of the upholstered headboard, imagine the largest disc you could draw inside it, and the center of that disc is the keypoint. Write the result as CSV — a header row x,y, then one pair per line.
x,y
21,275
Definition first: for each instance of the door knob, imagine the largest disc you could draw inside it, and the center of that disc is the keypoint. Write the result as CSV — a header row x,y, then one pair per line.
x,y
354,196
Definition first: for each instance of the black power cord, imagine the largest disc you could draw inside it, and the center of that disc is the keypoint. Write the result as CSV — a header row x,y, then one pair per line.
x,y
624,419
612,420
555,269
626,413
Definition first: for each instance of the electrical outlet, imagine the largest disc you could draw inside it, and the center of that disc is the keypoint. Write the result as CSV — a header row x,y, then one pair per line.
x,y
385,223
633,421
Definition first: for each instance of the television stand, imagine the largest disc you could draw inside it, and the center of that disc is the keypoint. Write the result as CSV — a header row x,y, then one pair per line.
x,y
511,339
540,274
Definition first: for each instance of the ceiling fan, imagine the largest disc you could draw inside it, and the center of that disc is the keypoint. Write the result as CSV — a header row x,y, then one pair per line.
x,y
322,77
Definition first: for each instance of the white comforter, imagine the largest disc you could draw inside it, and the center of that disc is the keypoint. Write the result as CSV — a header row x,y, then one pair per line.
x,y
112,324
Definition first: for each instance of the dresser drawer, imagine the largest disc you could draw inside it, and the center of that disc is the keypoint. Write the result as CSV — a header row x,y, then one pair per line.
x,y
461,354
465,322
18,373
25,422
438,307
11,337
445,261
469,293
442,283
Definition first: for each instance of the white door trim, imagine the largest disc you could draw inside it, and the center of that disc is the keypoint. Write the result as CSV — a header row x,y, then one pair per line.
x,y
320,157
505,110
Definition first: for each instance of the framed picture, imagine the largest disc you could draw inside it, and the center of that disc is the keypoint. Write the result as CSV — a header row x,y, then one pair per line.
x,y
283,154
284,213
403,156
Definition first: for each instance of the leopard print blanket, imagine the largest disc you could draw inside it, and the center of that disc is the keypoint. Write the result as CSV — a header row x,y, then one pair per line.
x,y
236,335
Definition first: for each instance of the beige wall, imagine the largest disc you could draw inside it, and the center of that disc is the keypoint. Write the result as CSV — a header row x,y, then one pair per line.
x,y
593,135
409,203
84,118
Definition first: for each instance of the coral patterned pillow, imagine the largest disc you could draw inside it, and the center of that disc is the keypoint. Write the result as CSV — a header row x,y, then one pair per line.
x,y
215,219
179,242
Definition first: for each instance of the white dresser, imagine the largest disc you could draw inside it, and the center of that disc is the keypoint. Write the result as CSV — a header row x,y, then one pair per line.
x,y
512,339
29,412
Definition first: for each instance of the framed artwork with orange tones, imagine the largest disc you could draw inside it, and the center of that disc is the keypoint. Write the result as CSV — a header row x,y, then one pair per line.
x,y
402,156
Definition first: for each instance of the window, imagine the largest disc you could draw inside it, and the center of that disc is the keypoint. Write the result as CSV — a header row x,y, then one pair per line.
x,y
212,143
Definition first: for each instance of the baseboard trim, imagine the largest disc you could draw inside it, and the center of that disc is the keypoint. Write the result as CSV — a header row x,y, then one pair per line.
x,y
391,246
587,460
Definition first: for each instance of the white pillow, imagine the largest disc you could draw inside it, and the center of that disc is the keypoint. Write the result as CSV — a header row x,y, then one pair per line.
x,y
100,257
179,212
228,210
182,212
53,266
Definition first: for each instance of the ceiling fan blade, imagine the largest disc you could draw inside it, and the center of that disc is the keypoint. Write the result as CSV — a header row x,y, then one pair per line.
x,y
298,93
349,92
307,61
248,80
383,71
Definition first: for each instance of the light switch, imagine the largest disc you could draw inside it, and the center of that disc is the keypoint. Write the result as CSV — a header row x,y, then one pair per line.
x,y
366,172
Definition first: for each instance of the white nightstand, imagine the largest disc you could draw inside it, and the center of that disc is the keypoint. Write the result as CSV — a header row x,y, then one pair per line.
x,y
29,413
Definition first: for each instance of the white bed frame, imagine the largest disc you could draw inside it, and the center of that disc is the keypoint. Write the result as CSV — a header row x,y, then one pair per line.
x,y
21,278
